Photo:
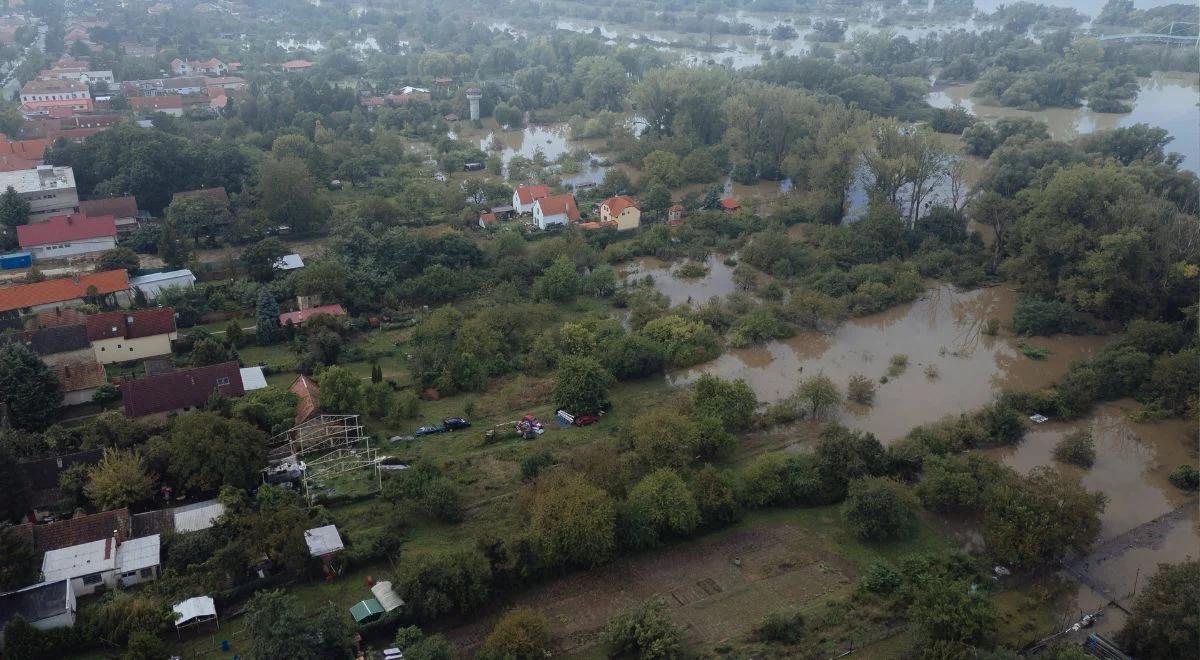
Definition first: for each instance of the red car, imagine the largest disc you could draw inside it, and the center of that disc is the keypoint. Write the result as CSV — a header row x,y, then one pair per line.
x,y
585,420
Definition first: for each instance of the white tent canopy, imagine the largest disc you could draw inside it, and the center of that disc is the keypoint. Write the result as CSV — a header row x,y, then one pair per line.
x,y
386,596
194,610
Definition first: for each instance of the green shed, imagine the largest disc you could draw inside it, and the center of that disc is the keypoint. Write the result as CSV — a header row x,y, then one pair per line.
x,y
366,611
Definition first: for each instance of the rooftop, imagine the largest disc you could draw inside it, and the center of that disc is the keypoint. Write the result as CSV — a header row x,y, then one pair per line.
x,y
59,339
84,373
118,207
616,205
79,560
323,540
139,553
253,378
297,318
40,601
38,179
64,228
161,277
558,205
53,86
62,289
130,325
528,194
180,389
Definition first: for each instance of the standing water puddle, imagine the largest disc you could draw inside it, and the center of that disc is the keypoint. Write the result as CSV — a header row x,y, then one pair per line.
x,y
942,334
685,290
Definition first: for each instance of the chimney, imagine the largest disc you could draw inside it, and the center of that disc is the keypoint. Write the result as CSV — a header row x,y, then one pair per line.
x,y
75,278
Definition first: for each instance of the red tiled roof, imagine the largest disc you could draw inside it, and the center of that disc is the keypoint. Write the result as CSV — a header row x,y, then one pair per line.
x,y
487,218
559,204
298,318
166,102
62,289
130,325
31,149
118,207
309,395
60,228
78,530
82,374
730,203
529,194
618,204
10,163
58,317
296,64
190,388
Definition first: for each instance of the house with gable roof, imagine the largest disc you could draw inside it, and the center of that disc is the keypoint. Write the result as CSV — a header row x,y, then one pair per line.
x,y
555,210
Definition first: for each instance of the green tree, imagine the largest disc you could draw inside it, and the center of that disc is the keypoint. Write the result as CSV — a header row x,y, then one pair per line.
x,y
521,634
206,352
119,480
559,283
261,259
234,335
119,258
231,454
656,200
952,610
572,522
645,631
267,326
820,393
659,506
730,401
197,216
715,497
1039,518
279,629
14,212
662,168
19,567
1165,622
881,509
288,195
171,249
144,645
434,584
581,385
29,389
341,390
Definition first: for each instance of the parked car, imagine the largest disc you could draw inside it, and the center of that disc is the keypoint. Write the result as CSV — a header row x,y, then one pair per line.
x,y
585,420
455,423
430,430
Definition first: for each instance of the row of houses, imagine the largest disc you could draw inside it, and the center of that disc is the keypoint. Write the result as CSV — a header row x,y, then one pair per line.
x,y
550,210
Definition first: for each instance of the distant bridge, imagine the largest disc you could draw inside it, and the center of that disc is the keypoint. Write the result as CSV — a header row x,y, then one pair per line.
x,y
1165,36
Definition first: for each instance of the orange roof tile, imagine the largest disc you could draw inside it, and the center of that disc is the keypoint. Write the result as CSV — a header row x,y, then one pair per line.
x,y
66,288
618,204
559,204
530,194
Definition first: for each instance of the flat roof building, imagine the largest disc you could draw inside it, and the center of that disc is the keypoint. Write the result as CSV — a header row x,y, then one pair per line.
x,y
49,190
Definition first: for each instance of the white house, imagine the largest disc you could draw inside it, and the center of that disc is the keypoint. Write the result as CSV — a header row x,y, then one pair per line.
x,y
45,606
525,196
104,564
555,210
152,285
68,236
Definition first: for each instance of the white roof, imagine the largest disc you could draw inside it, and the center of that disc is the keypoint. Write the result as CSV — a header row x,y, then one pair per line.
x,y
139,553
200,607
253,378
198,516
409,89
289,262
323,540
162,277
27,181
386,596
79,560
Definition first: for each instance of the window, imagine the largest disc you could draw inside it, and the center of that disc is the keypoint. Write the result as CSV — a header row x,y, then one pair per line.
x,y
94,578
222,381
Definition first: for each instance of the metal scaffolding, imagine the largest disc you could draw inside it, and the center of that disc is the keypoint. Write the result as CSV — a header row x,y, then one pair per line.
x,y
322,447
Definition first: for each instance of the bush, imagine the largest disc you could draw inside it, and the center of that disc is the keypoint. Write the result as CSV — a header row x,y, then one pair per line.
x,y
1032,316
424,486
521,634
896,365
1185,477
644,632
659,506
881,509
438,583
785,627
532,465
881,579
861,390
1162,624
1076,448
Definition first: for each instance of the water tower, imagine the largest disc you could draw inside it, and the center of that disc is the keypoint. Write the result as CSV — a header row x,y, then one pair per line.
x,y
473,95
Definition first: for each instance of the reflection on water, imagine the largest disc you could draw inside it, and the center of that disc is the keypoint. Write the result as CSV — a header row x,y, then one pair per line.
x,y
943,329
1132,463
1165,100
553,141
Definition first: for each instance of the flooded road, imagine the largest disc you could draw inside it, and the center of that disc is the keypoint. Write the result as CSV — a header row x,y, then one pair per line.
x,y
953,367
1164,100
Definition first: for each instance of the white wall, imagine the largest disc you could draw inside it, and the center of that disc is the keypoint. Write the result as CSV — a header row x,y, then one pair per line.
x,y
72,248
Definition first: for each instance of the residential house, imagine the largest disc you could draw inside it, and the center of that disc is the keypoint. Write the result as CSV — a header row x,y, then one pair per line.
x,y
212,66
49,190
65,292
302,316
65,236
228,83
44,606
154,284
253,378
72,129
291,261
407,94
22,154
125,336
40,96
168,104
621,211
42,477
75,531
308,395
181,390
138,50
81,378
525,196
675,215
555,210
487,220
57,318
181,519
97,566
124,211
182,86
293,66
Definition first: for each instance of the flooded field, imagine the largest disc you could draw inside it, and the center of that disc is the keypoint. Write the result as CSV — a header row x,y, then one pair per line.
x,y
1165,100
685,290
953,367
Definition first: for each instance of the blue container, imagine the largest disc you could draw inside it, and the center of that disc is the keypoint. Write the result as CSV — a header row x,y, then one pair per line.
x,y
15,260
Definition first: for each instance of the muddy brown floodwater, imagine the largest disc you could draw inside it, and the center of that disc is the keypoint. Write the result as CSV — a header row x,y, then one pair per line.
x,y
685,290
953,367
